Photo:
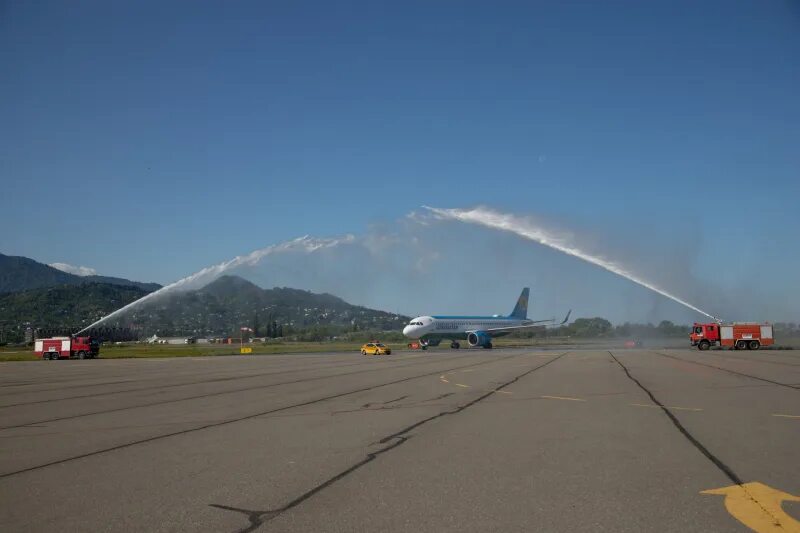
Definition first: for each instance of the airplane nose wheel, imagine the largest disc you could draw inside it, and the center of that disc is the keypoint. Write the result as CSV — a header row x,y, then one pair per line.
x,y
454,345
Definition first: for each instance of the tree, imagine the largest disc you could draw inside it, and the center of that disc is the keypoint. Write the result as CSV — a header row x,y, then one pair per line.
x,y
591,327
270,333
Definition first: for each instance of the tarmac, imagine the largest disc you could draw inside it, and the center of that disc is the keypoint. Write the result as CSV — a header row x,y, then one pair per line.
x,y
441,440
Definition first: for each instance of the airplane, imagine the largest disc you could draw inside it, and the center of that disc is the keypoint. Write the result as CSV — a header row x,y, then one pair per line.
x,y
477,330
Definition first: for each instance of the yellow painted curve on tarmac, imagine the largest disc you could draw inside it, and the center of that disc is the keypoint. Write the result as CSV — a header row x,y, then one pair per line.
x,y
758,506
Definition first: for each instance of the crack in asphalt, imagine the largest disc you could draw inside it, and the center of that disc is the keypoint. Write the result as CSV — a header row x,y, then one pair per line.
x,y
149,387
174,385
242,418
787,385
767,361
440,397
259,518
396,399
370,404
206,395
725,469
80,386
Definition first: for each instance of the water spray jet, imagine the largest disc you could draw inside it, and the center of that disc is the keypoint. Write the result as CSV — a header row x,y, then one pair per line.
x,y
304,244
527,229
520,226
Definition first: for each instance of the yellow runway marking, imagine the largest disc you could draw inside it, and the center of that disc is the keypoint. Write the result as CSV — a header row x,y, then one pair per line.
x,y
787,416
563,398
758,506
667,407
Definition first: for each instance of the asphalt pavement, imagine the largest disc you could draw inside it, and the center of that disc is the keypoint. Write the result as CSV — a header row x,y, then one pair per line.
x,y
441,440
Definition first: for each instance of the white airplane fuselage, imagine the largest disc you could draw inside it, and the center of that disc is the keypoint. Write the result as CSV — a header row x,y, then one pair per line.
x,y
458,327
477,330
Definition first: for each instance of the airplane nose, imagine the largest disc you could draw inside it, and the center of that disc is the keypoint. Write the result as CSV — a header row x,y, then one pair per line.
x,y
406,330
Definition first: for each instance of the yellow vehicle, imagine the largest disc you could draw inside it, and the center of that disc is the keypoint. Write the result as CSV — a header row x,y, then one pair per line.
x,y
375,348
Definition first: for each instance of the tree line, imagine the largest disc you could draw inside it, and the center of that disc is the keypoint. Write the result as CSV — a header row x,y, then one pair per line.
x,y
596,327
599,327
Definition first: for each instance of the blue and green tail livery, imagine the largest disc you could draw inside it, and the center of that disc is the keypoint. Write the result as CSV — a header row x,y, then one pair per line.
x,y
521,309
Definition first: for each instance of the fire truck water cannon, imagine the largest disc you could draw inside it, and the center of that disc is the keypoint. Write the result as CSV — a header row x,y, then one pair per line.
x,y
736,335
67,347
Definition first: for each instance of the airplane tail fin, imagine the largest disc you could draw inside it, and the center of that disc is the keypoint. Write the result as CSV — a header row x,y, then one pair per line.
x,y
521,309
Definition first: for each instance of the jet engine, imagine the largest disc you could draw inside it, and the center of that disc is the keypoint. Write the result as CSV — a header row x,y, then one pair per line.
x,y
479,338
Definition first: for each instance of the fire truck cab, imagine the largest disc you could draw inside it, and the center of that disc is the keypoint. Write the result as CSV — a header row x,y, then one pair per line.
x,y
58,347
739,335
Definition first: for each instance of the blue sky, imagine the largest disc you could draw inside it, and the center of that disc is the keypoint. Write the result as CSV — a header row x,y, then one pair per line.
x,y
150,139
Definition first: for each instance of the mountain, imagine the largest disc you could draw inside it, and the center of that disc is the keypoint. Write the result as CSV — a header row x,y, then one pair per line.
x,y
231,302
22,274
227,287
235,290
220,308
143,285
63,308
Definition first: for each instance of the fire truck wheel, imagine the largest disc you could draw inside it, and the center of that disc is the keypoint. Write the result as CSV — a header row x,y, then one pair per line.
x,y
81,355
704,345
741,345
753,345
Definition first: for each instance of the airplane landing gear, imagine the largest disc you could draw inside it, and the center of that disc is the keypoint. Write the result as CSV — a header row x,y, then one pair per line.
x,y
455,345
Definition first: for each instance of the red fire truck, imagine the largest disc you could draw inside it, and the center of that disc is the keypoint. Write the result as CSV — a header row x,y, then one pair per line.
x,y
58,347
738,335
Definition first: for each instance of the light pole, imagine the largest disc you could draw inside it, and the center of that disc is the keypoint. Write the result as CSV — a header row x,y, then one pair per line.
x,y
241,338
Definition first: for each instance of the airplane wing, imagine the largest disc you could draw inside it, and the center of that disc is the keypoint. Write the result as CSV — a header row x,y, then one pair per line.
x,y
548,323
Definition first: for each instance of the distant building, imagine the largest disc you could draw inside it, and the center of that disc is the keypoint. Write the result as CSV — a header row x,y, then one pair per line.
x,y
155,339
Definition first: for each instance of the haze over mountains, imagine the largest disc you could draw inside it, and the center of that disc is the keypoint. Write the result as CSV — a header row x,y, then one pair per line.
x,y
231,302
19,273
40,296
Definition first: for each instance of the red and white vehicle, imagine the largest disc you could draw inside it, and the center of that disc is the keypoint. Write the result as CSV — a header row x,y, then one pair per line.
x,y
58,347
739,335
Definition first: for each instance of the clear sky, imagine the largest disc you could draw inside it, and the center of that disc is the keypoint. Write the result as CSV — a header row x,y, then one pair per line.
x,y
150,139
